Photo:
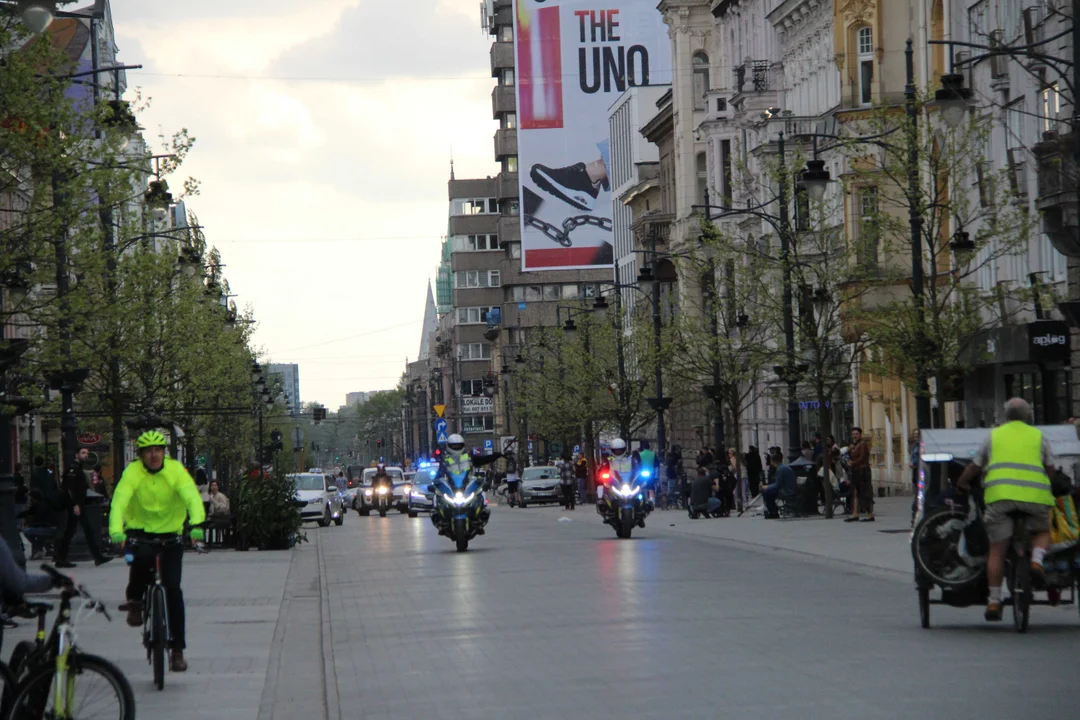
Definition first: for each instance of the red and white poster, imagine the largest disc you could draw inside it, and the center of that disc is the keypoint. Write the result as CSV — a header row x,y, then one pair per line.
x,y
574,59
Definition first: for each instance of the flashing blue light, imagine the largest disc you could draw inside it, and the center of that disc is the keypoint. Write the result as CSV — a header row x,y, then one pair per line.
x,y
425,464
640,496
646,473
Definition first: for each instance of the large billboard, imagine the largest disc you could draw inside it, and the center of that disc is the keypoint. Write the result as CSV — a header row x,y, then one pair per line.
x,y
574,59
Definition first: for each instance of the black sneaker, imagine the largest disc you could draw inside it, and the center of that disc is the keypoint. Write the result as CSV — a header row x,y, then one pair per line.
x,y
570,184
64,564
102,560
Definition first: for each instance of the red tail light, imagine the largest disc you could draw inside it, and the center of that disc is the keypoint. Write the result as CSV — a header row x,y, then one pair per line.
x,y
605,476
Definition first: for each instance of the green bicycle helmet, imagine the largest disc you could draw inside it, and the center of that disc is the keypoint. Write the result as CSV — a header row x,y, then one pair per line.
x,y
151,438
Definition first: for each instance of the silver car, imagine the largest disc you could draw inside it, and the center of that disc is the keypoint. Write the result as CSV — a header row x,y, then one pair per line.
x,y
421,499
540,484
322,501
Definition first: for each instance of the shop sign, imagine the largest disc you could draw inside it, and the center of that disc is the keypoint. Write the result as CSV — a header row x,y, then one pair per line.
x,y
1048,341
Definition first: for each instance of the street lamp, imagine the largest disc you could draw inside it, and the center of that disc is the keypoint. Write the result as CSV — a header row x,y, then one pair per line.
x,y
37,15
815,179
952,99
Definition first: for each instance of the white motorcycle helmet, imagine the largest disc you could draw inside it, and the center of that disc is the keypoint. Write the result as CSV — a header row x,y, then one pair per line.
x,y
618,447
455,444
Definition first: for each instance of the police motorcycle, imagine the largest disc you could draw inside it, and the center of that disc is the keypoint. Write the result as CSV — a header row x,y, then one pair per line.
x,y
382,496
461,510
622,503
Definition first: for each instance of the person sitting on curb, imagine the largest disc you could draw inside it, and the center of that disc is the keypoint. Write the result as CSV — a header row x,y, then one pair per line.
x,y
701,494
785,485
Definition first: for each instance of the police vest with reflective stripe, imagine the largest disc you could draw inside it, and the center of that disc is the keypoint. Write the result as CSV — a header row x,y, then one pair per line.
x,y
1015,470
623,467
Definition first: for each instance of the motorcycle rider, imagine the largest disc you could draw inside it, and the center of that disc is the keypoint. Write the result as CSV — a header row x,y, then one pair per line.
x,y
382,479
456,461
620,466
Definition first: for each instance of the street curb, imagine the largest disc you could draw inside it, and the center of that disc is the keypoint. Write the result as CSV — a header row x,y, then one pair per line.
x,y
277,643
330,679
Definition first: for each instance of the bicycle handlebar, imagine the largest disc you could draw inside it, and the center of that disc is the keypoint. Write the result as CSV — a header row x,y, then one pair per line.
x,y
136,537
70,589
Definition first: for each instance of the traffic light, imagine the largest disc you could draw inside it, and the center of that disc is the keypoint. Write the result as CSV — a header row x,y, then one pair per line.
x,y
276,440
318,413
437,455
378,443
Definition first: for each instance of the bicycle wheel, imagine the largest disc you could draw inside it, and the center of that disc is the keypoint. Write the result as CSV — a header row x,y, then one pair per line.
x,y
158,639
1021,588
99,691
7,693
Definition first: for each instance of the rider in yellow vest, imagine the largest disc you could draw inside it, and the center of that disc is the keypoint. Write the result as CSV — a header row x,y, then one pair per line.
x,y
1017,463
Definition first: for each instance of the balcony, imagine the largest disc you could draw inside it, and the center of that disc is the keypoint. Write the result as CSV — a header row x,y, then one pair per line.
x,y
752,76
653,223
505,143
503,100
1058,199
507,185
502,57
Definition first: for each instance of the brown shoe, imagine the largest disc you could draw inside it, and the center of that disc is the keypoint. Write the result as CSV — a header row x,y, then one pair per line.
x,y
134,613
177,663
993,612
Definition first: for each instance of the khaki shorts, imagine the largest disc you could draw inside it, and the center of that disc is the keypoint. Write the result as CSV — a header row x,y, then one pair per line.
x,y
999,526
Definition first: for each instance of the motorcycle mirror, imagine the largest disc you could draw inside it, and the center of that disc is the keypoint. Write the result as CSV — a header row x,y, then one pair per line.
x,y
431,488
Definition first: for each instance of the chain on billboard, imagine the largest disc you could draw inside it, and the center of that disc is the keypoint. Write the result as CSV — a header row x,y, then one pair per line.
x,y
574,59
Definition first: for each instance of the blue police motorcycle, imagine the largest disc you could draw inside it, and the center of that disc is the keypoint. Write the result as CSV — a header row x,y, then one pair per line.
x,y
623,505
461,510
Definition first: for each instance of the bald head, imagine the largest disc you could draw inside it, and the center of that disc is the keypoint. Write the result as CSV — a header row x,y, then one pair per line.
x,y
1017,409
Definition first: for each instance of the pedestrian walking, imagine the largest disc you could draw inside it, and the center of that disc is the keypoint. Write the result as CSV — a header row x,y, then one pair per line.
x,y
581,471
861,485
74,487
567,481
753,470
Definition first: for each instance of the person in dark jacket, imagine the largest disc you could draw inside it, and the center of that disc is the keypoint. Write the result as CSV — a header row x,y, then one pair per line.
x,y
73,495
753,470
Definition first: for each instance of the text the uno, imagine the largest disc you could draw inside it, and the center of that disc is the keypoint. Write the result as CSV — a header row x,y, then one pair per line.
x,y
601,61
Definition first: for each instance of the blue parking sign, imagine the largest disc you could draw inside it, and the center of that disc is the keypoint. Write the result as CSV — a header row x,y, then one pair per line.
x,y
489,445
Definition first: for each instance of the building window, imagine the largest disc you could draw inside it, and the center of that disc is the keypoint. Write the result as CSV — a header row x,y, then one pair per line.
x,y
868,226
472,388
1014,125
474,351
866,65
474,206
507,77
534,293
472,315
702,179
513,207
478,423
510,163
701,79
509,121
515,251
494,278
481,242
570,292
1050,106
506,33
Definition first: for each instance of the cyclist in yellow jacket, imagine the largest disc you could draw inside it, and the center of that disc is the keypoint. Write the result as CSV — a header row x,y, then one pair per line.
x,y
154,496
1018,464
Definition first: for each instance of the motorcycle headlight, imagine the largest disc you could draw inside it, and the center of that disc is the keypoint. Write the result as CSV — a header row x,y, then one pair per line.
x,y
382,490
458,498
367,493
405,489
625,490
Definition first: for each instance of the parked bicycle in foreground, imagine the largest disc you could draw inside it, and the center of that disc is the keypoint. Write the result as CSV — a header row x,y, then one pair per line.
x,y
55,679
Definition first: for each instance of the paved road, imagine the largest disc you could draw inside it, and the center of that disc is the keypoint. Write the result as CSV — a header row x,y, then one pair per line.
x,y
380,618
550,619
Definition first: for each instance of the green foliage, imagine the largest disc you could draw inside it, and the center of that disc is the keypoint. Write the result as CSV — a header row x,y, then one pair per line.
x,y
266,514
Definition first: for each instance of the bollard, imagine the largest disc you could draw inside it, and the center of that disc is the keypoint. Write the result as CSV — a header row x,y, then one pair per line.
x,y
9,528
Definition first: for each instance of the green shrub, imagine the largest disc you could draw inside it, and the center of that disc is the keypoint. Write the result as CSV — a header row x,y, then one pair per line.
x,y
266,513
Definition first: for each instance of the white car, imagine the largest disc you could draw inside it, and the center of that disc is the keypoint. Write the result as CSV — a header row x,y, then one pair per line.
x,y
322,502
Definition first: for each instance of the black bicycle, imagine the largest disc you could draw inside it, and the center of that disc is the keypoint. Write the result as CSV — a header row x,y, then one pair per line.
x,y
155,603
54,678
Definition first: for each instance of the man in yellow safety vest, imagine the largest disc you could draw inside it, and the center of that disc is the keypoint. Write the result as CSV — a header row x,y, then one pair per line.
x,y
1018,464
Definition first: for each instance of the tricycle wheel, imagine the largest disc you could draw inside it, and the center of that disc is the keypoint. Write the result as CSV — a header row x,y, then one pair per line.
x,y
924,606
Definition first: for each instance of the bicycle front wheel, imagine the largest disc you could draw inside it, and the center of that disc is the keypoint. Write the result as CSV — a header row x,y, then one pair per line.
x,y
98,691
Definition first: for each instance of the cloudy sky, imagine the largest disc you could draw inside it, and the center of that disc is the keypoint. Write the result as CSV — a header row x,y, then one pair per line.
x,y
323,136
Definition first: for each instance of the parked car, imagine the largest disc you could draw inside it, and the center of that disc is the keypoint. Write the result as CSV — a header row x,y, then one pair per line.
x,y
421,498
322,501
540,484
363,505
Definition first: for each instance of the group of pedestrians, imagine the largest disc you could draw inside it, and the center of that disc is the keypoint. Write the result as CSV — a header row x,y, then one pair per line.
x,y
54,510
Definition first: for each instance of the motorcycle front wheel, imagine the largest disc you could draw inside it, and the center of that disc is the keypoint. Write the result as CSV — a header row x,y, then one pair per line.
x,y
461,537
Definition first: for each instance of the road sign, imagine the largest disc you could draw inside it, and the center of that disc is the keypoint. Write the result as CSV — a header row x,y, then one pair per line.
x,y
441,438
440,426
439,409
577,449
489,445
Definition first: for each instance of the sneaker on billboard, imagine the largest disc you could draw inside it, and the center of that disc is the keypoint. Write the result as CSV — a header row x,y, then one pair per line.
x,y
570,184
